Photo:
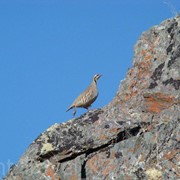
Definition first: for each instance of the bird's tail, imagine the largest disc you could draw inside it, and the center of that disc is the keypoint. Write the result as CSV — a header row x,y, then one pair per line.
x,y
70,108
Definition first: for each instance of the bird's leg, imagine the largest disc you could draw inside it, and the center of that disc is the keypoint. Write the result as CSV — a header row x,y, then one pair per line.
x,y
74,112
88,107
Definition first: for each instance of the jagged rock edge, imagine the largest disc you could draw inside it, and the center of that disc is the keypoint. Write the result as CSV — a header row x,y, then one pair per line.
x,y
121,136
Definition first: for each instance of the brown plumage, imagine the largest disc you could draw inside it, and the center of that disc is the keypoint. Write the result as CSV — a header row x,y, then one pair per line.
x,y
86,98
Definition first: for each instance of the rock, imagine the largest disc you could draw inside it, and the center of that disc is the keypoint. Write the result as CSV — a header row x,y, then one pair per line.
x,y
136,136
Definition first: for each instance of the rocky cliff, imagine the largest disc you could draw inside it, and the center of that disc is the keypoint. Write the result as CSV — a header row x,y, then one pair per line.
x,y
136,136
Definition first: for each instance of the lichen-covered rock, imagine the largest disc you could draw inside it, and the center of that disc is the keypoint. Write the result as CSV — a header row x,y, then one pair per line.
x,y
136,136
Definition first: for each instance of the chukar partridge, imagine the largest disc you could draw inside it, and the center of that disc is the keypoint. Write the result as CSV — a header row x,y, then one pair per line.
x,y
86,98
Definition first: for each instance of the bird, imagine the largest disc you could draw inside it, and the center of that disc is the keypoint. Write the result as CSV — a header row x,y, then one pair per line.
x,y
87,97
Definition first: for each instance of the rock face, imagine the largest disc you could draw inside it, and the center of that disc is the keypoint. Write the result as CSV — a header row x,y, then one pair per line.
x,y
136,136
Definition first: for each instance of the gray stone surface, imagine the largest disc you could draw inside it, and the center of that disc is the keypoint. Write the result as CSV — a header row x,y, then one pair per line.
x,y
136,136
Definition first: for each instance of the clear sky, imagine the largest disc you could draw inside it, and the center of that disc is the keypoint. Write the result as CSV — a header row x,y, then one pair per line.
x,y
51,49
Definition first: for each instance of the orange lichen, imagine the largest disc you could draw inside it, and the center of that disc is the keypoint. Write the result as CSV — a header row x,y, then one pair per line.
x,y
147,53
143,69
114,130
143,52
108,169
157,102
171,154
74,177
103,137
150,127
91,164
112,154
51,173
147,57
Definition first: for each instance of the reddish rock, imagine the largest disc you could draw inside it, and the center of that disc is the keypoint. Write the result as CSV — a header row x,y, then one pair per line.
x,y
157,102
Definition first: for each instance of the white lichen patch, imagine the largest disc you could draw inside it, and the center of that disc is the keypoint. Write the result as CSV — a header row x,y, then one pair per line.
x,y
154,174
46,148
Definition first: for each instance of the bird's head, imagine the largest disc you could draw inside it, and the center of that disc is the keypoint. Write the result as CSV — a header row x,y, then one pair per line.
x,y
96,77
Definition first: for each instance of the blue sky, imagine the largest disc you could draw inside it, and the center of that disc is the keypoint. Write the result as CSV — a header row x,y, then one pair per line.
x,y
49,52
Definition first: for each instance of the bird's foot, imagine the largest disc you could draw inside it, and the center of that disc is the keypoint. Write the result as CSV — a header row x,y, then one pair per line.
x,y
74,112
